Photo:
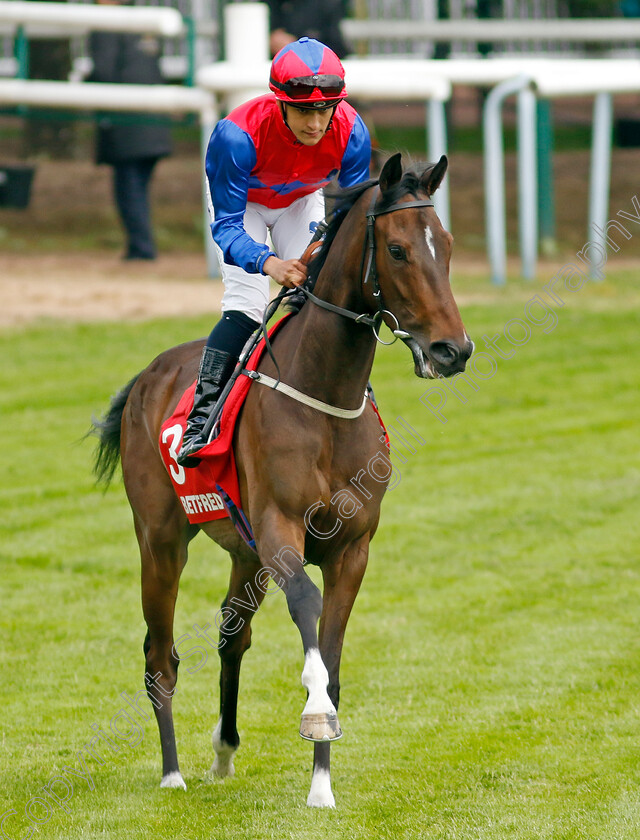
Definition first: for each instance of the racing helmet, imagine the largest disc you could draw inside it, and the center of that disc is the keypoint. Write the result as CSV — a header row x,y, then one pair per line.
x,y
307,74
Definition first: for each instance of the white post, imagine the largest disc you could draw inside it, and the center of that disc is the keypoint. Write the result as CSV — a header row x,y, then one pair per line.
x,y
527,183
494,200
246,40
246,43
437,146
495,206
208,119
600,165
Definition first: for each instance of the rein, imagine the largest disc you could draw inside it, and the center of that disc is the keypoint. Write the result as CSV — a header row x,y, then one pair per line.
x,y
373,321
369,274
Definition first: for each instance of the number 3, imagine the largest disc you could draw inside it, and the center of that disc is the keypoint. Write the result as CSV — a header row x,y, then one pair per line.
x,y
175,433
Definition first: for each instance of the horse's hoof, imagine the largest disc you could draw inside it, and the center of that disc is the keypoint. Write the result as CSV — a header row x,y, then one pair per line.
x,y
173,780
321,802
320,727
222,767
320,795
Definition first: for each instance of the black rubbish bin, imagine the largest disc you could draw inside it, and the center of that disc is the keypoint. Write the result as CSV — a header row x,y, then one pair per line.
x,y
15,185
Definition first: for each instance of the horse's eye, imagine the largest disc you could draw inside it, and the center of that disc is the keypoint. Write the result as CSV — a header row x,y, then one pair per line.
x,y
397,252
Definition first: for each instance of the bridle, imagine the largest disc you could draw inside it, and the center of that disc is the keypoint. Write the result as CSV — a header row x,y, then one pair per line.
x,y
369,273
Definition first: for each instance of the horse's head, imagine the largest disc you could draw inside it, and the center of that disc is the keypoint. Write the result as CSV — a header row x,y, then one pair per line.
x,y
407,269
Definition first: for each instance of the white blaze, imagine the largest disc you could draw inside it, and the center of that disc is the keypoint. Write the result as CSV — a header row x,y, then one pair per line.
x,y
429,237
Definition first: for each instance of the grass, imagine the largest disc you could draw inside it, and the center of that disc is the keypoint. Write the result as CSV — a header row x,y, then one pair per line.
x,y
490,675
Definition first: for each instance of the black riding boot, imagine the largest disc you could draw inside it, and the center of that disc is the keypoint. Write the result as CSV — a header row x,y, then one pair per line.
x,y
216,366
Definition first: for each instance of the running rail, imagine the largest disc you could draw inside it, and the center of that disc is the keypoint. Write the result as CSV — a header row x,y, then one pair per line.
x,y
76,18
495,204
598,78
90,96
575,30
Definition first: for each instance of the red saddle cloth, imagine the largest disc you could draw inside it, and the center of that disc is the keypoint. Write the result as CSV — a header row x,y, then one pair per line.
x,y
208,490
198,487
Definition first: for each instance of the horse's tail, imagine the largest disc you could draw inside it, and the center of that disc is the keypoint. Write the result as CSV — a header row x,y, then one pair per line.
x,y
107,430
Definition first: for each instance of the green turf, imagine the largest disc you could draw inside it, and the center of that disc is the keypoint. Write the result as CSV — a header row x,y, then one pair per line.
x,y
490,680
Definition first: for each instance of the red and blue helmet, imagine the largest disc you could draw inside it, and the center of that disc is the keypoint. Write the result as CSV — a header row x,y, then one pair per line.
x,y
307,74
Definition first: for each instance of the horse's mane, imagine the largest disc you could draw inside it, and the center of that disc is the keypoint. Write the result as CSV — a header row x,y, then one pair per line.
x,y
344,200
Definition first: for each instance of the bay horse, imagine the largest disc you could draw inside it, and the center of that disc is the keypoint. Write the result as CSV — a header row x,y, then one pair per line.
x,y
385,257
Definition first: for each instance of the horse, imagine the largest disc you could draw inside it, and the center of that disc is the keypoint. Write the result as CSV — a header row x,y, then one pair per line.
x,y
385,257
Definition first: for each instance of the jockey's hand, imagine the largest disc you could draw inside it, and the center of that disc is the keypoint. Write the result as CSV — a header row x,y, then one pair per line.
x,y
289,273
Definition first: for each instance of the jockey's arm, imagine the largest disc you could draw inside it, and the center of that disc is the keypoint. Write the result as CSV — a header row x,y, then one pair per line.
x,y
230,157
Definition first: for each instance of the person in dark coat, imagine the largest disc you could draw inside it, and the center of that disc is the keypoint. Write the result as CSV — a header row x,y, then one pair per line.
x,y
131,144
319,19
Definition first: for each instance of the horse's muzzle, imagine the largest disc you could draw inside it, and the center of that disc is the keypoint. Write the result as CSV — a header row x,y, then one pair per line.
x,y
448,357
442,359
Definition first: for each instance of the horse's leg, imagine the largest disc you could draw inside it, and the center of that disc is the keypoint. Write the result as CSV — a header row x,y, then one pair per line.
x,y
242,601
342,581
281,550
163,549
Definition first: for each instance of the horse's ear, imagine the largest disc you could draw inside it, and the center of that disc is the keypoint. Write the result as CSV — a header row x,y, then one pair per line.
x,y
391,172
432,178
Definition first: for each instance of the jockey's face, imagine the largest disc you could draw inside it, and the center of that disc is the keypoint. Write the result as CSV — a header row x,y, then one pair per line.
x,y
308,126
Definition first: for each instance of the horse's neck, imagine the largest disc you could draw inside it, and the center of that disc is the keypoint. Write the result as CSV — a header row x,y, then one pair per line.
x,y
334,356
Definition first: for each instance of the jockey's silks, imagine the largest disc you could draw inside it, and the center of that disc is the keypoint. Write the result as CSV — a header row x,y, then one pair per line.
x,y
253,156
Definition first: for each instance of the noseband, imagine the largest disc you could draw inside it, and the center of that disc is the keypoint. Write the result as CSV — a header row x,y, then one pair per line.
x,y
370,274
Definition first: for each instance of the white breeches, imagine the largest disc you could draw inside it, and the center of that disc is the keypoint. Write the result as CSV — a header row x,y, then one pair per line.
x,y
291,229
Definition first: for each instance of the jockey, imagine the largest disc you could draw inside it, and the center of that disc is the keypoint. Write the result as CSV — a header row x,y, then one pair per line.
x,y
266,164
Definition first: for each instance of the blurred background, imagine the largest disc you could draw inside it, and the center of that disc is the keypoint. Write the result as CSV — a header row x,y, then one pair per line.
x,y
67,205
491,676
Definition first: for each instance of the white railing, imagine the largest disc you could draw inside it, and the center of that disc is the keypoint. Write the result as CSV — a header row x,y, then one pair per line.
x,y
575,30
548,78
77,18
83,96
600,79
91,96
430,81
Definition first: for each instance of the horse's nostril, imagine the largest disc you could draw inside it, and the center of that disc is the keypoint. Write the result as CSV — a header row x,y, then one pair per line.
x,y
444,353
